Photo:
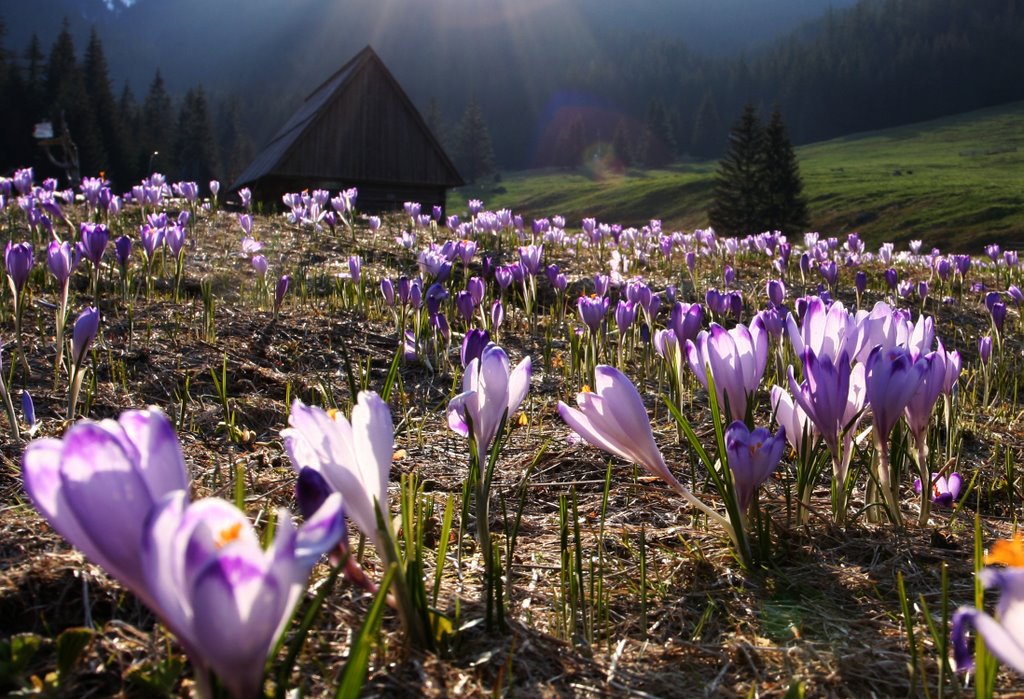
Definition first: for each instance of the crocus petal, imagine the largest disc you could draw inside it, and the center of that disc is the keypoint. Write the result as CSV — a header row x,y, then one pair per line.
x,y
40,467
236,609
108,496
519,384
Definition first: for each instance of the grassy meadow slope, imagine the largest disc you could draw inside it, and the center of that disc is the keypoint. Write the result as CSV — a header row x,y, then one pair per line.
x,y
953,182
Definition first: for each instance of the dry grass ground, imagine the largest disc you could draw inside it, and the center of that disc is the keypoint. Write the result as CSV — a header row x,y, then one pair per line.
x,y
824,612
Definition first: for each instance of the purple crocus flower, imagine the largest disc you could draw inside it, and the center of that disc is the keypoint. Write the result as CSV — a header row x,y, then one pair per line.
x,y
794,419
123,251
752,456
261,265
601,283
250,245
476,288
94,239
175,239
736,359
891,378
829,272
860,281
1004,634
464,302
61,260
592,310
387,288
686,321
224,596
945,491
473,345
28,410
214,188
776,291
892,278
354,457
97,485
612,417
280,290
828,330
18,260
503,275
985,348
919,409
529,257
998,311
355,268
152,238
497,314
87,325
625,315
490,392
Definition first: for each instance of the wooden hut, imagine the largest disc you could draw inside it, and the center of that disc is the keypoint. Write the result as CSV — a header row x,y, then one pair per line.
x,y
358,129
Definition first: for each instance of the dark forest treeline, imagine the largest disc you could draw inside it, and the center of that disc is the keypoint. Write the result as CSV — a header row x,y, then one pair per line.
x,y
117,135
878,64
648,100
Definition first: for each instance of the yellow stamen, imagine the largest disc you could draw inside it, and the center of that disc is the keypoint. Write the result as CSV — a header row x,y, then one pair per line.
x,y
333,413
226,536
1008,552
586,389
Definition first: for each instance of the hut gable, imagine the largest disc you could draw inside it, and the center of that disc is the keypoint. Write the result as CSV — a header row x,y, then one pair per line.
x,y
358,128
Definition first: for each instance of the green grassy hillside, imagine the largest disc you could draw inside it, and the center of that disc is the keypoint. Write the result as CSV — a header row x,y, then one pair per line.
x,y
955,182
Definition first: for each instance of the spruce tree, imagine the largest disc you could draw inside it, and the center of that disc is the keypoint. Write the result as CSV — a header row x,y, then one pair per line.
x,y
474,154
738,204
69,102
158,129
659,144
622,144
195,150
435,120
236,148
785,207
705,142
101,98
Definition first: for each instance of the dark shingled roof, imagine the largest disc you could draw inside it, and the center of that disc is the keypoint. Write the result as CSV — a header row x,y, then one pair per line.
x,y
306,117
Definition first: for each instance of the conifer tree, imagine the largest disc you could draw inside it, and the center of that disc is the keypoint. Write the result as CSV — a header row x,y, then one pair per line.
x,y
195,150
785,207
474,154
158,128
131,128
738,204
659,145
622,144
101,99
69,101
236,148
435,120
707,128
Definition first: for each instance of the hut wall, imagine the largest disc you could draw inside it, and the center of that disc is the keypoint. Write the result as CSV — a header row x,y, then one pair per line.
x,y
366,132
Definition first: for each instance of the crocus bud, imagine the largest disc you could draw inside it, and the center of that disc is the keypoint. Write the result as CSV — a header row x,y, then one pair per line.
x,y
19,258
28,409
123,251
892,278
985,348
860,281
473,345
87,325
476,288
355,267
776,292
497,315
280,291
260,264
387,287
